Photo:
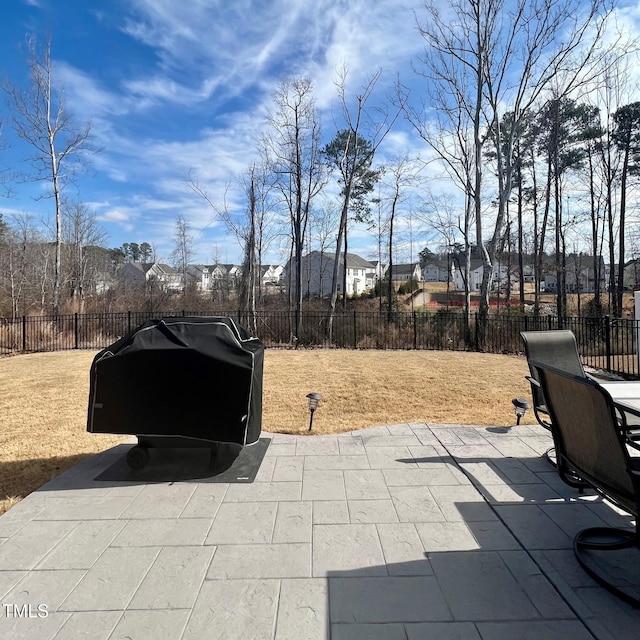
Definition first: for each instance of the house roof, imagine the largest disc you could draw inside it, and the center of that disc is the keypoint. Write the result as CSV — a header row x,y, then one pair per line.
x,y
143,267
405,268
164,267
437,263
354,260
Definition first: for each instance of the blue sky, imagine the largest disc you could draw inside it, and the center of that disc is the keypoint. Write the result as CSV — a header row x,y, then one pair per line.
x,y
173,86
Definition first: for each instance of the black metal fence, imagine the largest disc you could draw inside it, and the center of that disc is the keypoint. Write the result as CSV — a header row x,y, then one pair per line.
x,y
604,343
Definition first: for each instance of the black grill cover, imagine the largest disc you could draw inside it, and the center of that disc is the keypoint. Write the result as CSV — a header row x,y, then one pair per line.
x,y
192,377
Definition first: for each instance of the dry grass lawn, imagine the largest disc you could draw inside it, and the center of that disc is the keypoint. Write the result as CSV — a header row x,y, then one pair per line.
x,y
44,400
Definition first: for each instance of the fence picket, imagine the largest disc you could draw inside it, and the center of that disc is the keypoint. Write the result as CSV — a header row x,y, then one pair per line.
x,y
604,343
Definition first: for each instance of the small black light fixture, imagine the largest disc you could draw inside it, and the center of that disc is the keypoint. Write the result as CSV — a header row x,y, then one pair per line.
x,y
520,406
314,403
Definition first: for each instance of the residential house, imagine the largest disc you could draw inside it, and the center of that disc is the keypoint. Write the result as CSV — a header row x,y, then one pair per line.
x,y
436,272
103,281
632,275
582,281
200,275
225,277
551,282
500,274
404,272
374,274
271,275
317,273
139,273
230,273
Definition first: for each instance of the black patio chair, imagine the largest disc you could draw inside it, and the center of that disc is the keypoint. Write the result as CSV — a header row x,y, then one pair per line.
x,y
591,446
558,348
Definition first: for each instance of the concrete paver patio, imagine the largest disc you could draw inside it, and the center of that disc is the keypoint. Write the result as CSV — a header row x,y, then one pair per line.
x,y
408,531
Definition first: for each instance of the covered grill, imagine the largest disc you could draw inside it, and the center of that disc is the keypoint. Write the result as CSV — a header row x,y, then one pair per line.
x,y
179,381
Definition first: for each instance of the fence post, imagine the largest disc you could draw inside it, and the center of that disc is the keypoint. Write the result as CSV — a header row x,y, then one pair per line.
x,y
355,331
128,321
24,333
607,338
75,330
477,329
415,332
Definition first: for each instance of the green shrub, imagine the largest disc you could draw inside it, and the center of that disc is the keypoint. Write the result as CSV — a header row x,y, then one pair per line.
x,y
408,287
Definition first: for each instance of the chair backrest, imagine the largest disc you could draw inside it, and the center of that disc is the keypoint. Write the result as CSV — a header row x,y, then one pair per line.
x,y
554,348
586,434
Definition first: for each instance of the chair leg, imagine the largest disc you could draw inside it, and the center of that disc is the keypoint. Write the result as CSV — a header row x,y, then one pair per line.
x,y
568,477
633,441
607,539
550,455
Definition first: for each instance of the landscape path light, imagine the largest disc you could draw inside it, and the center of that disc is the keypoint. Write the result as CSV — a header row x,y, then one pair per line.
x,y
314,402
520,406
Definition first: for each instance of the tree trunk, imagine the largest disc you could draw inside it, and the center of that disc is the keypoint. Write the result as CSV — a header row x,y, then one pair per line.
x,y
394,203
520,243
336,262
344,271
56,193
621,235
597,304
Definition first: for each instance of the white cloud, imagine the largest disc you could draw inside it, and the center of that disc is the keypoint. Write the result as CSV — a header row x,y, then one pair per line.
x,y
86,97
200,103
148,92
228,47
123,217
211,54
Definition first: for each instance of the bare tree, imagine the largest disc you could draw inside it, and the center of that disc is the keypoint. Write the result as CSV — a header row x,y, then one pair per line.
x,y
26,264
626,136
291,148
5,174
250,266
182,255
614,94
529,35
12,277
400,174
610,96
491,56
81,232
449,118
352,152
252,229
44,122
324,223
441,215
260,223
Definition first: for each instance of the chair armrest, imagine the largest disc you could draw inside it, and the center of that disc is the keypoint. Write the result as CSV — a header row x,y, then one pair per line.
x,y
533,381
